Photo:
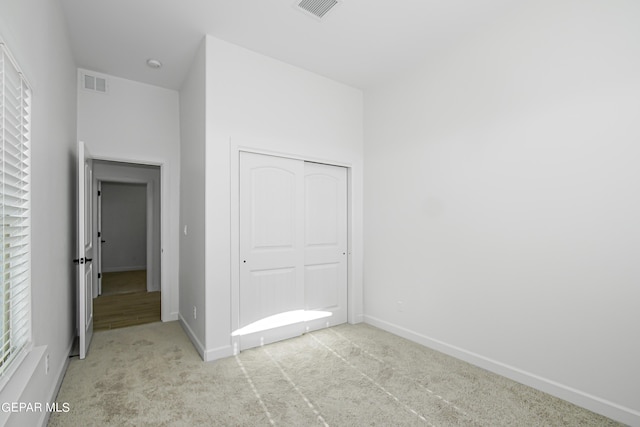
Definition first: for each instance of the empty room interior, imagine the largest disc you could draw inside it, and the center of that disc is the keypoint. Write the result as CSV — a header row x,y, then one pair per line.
x,y
348,212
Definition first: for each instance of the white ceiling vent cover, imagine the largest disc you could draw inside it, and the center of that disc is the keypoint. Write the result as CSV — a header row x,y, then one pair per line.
x,y
316,8
94,83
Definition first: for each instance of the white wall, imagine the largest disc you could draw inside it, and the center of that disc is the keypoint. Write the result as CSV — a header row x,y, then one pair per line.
x,y
261,103
124,227
35,32
501,200
139,123
192,196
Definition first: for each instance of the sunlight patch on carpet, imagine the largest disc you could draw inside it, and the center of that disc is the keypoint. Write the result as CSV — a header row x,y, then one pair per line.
x,y
282,319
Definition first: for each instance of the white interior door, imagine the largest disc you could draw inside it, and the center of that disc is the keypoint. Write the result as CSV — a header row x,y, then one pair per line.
x,y
271,243
85,249
325,243
293,246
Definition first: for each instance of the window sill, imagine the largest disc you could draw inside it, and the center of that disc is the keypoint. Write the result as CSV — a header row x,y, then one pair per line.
x,y
17,383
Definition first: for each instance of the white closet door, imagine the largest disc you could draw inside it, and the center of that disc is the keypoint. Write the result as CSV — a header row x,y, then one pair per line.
x,y
325,245
271,244
293,248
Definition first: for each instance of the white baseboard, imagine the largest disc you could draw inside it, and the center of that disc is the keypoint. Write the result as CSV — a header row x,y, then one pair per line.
x,y
53,394
357,318
126,268
171,317
208,355
192,336
218,353
577,397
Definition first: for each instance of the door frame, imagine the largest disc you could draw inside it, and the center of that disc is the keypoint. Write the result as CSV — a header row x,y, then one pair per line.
x,y
165,289
352,292
98,225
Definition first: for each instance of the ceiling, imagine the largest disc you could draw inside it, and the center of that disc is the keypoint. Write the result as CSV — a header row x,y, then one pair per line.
x,y
360,42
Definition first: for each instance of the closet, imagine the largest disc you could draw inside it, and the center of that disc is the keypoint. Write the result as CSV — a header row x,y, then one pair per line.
x,y
293,247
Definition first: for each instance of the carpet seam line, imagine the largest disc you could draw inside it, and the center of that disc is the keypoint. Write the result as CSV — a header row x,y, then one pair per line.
x,y
367,377
371,355
255,390
295,387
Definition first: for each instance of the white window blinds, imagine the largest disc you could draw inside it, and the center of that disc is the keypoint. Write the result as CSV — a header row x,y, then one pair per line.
x,y
15,297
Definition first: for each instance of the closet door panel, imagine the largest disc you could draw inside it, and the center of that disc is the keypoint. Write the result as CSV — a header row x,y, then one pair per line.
x,y
271,244
325,245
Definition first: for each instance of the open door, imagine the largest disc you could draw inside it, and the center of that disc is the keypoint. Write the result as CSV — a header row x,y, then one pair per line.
x,y
85,250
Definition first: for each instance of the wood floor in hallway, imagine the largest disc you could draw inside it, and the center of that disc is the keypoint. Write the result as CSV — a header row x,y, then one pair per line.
x,y
125,301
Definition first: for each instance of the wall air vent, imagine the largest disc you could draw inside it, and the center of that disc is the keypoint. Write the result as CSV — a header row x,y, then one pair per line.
x,y
94,83
316,8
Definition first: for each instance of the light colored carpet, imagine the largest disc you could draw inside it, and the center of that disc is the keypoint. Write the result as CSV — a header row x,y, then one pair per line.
x,y
349,375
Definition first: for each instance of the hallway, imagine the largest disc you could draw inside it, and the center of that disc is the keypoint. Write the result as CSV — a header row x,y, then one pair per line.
x,y
125,301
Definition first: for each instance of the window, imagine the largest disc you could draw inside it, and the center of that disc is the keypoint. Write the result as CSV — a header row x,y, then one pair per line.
x,y
15,270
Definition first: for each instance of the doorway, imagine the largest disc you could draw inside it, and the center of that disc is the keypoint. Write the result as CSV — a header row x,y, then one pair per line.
x,y
127,218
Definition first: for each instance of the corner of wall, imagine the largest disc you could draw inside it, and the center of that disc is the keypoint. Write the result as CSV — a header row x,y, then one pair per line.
x,y
192,336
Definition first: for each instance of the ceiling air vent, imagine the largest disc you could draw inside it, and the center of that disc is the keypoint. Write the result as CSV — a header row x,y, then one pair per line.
x,y
316,8
94,83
